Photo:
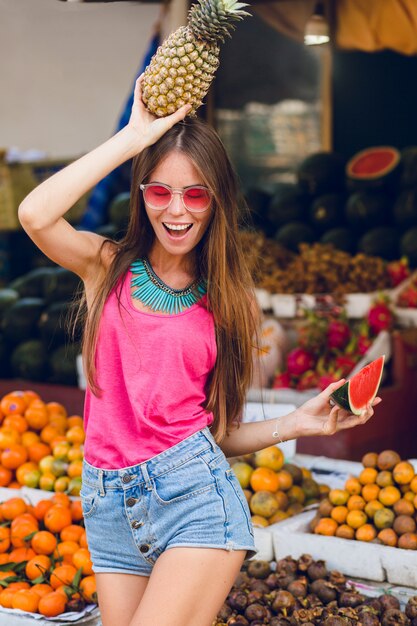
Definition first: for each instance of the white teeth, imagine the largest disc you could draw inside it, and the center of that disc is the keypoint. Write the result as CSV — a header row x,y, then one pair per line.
x,y
177,226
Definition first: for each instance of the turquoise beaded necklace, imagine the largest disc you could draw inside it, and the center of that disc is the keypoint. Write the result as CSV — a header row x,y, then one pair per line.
x,y
158,296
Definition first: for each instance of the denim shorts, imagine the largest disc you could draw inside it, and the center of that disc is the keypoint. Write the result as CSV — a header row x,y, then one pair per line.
x,y
185,496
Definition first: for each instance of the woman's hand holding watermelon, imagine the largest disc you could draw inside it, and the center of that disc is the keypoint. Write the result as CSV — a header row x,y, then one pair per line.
x,y
319,416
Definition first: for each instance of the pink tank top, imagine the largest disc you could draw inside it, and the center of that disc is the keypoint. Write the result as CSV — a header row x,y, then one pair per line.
x,y
153,370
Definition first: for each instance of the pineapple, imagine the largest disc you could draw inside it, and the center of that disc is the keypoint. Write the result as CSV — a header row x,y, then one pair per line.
x,y
183,67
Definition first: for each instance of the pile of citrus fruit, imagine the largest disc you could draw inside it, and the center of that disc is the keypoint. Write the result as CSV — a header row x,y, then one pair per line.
x,y
378,505
274,489
40,445
45,565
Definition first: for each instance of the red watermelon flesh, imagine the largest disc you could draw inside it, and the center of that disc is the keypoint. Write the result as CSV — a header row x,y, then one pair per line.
x,y
361,389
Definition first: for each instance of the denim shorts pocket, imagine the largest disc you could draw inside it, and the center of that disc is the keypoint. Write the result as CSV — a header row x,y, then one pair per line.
x,y
188,480
89,496
234,482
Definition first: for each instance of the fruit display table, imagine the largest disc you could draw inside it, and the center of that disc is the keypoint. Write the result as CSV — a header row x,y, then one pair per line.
x,y
71,397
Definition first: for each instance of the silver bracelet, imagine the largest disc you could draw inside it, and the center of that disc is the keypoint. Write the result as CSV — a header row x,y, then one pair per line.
x,y
276,434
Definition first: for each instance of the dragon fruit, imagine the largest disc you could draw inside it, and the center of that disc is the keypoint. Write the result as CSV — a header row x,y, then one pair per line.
x,y
299,361
364,343
338,334
327,379
308,380
282,381
380,317
398,271
345,363
408,297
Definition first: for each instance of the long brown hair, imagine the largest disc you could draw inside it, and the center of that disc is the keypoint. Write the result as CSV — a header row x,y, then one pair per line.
x,y
219,260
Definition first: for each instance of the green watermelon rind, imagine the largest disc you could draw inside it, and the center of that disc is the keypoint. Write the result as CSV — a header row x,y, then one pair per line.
x,y
342,395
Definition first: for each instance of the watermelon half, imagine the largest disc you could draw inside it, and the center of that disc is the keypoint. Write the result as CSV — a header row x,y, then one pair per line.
x,y
362,388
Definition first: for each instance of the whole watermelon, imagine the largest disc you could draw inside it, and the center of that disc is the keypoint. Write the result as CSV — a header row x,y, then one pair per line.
x,y
382,241
327,212
366,209
322,172
288,204
405,209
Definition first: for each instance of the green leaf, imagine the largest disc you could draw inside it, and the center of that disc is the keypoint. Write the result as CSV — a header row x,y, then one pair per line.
x,y
77,578
39,579
5,567
30,536
20,567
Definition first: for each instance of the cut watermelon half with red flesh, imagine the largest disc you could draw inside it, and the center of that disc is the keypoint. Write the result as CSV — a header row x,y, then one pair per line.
x,y
361,389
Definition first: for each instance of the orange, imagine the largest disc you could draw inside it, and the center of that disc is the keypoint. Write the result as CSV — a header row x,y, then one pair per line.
x,y
6,597
75,453
59,422
65,550
410,495
12,508
338,497
21,554
274,461
88,588
75,420
9,574
345,532
28,438
366,532
61,484
326,526
372,507
14,485
36,415
13,456
384,518
8,436
38,450
264,479
271,457
356,518
18,584
47,481
403,473
41,507
384,479
37,566
12,403
20,529
72,532
356,503
339,514
49,433
278,517
42,589
83,540
389,495
24,469
55,408
75,468
77,511
259,521
413,484
52,604
30,395
408,541
404,507
285,480
5,476
370,459
4,558
368,475
57,517
16,422
388,537
81,558
370,492
4,538
62,575
296,494
61,498
263,503
44,542
353,486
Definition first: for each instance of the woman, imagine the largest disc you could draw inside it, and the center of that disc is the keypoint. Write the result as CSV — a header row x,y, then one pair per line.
x,y
168,355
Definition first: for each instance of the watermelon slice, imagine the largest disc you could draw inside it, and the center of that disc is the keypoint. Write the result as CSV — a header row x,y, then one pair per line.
x,y
355,394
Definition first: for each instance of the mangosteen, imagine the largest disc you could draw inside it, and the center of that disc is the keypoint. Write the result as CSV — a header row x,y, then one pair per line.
x,y
375,604
337,578
335,620
324,590
259,585
237,620
368,618
242,581
394,617
350,598
411,608
312,601
289,564
255,596
255,611
273,581
279,621
316,570
298,588
304,562
283,600
237,600
76,605
224,613
388,602
259,569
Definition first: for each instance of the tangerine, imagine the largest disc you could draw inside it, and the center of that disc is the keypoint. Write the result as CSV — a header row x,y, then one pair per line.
x,y
28,438
59,422
326,526
41,589
12,508
408,541
384,479
44,542
296,495
339,514
271,457
18,584
370,459
81,558
41,507
6,598
65,550
242,470
4,539
388,537
21,554
353,486
57,517
25,468
262,503
88,588
13,456
30,395
368,476
76,434
52,604
83,540
259,521
37,566
62,575
285,480
75,420
388,459
403,473
16,422
384,518
366,532
370,492
413,485
36,415
389,495
20,529
77,510
12,404
6,476
338,497
8,437
356,503
61,498
49,433
356,518
404,524
38,450
264,479
278,517
372,507
404,507
72,532
55,408
345,532
282,499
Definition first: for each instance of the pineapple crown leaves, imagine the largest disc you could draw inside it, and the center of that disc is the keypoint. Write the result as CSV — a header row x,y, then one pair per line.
x,y
212,20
